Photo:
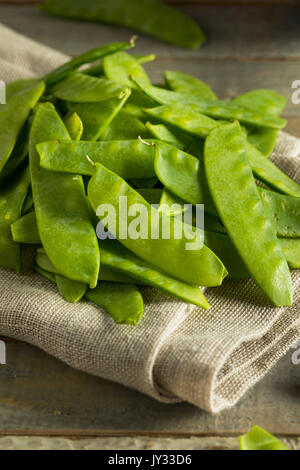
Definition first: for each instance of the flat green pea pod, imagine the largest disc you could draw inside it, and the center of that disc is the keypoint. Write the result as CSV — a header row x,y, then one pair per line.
x,y
147,16
183,118
123,302
18,155
283,211
13,116
263,139
80,88
62,213
265,101
74,126
116,256
197,266
71,291
161,132
291,250
108,274
97,117
259,439
11,201
25,230
86,58
225,110
120,67
171,204
183,175
127,158
97,70
116,130
242,212
270,174
184,83
46,274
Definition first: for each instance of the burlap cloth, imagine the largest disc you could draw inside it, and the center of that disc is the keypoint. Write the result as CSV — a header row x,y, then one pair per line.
x,y
177,352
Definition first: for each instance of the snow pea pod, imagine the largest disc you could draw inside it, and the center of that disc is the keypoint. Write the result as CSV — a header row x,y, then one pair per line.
x,y
25,229
266,101
199,266
123,302
184,83
120,67
62,213
71,291
116,130
86,58
283,211
183,175
46,274
18,155
215,109
116,256
269,173
242,212
80,88
127,158
291,250
171,204
74,126
108,274
147,16
259,439
184,118
11,201
161,132
97,117
13,116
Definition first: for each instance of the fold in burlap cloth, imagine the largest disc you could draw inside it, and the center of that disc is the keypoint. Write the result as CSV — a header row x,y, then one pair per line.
x,y
178,352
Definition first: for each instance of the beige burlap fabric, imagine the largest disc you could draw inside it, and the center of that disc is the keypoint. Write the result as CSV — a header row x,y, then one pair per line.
x,y
178,352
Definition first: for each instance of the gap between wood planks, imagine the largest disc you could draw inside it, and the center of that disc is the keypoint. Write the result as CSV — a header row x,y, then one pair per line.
x,y
260,3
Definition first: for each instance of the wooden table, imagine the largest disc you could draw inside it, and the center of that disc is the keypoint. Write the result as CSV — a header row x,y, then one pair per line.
x,y
250,45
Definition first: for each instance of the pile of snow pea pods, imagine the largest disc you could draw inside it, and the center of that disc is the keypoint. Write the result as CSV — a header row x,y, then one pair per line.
x,y
175,143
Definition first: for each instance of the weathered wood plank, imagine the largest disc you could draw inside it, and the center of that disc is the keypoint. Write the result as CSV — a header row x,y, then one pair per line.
x,y
40,395
232,32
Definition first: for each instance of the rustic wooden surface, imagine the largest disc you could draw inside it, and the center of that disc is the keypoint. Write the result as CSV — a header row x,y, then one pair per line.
x,y
250,45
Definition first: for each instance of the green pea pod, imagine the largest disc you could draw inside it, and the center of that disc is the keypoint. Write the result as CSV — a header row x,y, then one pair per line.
x,y
80,88
123,302
74,126
86,58
25,230
183,175
11,201
222,245
127,158
117,131
184,118
61,209
97,117
46,274
215,109
265,101
242,212
18,155
161,132
263,139
71,291
147,16
259,439
283,211
116,256
269,173
197,266
18,86
184,83
171,204
13,116
120,67
108,274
